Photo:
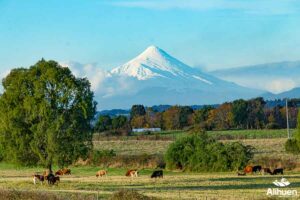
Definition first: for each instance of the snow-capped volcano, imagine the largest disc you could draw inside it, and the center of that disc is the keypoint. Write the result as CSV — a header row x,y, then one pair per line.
x,y
154,77
155,62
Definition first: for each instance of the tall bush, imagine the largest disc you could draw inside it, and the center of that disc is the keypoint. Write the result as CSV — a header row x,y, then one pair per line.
x,y
293,145
199,152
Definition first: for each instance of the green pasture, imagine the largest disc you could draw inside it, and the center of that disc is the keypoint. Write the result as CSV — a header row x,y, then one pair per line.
x,y
174,185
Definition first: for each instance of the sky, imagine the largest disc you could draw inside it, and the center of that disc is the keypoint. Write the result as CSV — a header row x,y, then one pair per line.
x,y
213,34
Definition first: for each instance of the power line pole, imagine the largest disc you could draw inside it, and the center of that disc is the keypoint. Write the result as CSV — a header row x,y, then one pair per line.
x,y
287,118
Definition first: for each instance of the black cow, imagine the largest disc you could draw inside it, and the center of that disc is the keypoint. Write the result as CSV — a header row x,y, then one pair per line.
x,y
256,168
157,174
277,171
52,179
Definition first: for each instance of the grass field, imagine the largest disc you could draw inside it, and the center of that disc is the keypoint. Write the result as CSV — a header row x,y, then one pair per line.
x,y
175,185
219,135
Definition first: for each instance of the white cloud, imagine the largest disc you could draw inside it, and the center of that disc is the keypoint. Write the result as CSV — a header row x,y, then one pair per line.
x,y
92,72
103,84
280,85
272,7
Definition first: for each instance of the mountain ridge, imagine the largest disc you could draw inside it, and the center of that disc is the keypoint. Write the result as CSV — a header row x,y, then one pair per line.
x,y
275,77
154,77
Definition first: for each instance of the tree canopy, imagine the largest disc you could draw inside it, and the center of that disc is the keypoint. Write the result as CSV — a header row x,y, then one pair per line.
x,y
45,115
137,110
199,152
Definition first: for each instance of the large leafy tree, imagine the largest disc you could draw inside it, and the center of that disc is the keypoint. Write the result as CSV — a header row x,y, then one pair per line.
x,y
239,113
45,115
137,110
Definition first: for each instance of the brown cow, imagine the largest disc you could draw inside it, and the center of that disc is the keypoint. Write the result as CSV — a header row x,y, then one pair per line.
x,y
248,169
65,171
101,173
132,173
59,172
266,170
38,177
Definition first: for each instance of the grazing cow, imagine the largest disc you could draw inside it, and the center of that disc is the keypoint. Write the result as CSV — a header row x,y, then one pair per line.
x,y
266,170
101,173
66,171
157,174
132,173
277,171
37,177
248,169
52,179
256,168
57,179
59,172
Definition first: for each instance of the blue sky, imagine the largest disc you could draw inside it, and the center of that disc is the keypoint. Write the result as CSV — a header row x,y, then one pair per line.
x,y
211,34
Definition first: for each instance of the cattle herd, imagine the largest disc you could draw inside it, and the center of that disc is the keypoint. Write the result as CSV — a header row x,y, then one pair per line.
x,y
259,169
50,177
54,178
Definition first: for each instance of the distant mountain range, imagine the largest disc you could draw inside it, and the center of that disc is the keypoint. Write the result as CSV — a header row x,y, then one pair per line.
x,y
155,108
272,77
293,93
154,77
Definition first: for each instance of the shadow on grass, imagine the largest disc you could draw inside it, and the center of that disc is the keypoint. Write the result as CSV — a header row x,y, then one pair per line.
x,y
247,179
217,187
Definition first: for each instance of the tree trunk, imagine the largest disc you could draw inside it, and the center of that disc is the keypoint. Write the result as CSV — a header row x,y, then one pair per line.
x,y
50,169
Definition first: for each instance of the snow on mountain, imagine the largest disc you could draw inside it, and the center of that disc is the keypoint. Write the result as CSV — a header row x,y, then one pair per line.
x,y
154,62
153,78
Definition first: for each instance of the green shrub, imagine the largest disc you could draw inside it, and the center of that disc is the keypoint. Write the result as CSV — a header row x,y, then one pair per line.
x,y
291,146
272,125
102,156
199,152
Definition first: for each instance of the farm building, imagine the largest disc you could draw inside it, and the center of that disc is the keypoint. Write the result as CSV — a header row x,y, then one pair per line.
x,y
140,130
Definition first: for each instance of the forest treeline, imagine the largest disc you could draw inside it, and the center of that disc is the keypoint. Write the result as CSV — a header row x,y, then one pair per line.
x,y
239,114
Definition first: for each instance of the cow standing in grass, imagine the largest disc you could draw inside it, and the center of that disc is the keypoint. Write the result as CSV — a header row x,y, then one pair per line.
x,y
256,168
101,173
52,179
61,172
66,171
132,173
157,174
277,171
37,178
248,169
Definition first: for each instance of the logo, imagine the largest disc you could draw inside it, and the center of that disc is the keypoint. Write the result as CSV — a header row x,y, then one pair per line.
x,y
281,192
282,183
